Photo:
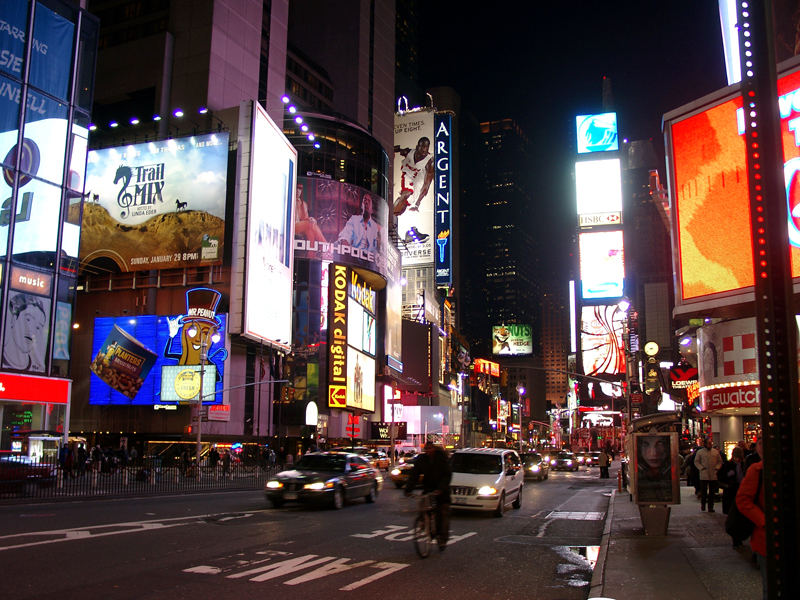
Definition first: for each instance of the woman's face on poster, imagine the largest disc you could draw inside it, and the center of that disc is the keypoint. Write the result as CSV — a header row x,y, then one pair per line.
x,y
653,451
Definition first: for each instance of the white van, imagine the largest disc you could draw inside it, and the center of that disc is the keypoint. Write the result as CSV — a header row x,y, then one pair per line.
x,y
486,479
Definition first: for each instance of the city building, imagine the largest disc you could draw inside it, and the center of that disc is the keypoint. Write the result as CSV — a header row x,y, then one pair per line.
x,y
47,81
264,96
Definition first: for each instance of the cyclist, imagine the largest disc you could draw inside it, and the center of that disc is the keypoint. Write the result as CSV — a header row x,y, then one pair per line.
x,y
434,468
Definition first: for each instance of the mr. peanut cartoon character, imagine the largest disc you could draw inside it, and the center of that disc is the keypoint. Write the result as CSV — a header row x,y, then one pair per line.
x,y
200,330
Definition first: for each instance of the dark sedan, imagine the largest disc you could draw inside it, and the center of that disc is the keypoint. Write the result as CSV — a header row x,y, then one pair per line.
x,y
536,467
330,478
564,461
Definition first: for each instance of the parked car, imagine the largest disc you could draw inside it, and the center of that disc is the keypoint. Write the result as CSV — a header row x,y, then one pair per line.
x,y
331,478
402,470
564,461
17,472
486,479
536,467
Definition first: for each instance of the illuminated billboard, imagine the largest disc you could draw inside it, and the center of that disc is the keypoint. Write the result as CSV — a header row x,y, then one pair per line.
x,y
512,340
602,264
709,192
123,362
352,341
597,133
443,226
360,380
341,222
167,336
598,186
602,346
394,309
156,205
414,195
337,336
270,231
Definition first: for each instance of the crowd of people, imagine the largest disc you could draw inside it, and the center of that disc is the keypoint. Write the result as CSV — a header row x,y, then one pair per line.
x,y
737,482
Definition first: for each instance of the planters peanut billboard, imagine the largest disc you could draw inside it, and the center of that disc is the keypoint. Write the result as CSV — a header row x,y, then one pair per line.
x,y
176,344
156,205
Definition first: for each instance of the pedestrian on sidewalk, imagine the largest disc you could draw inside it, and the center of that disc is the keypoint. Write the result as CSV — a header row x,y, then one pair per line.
x,y
604,460
692,473
730,476
750,502
708,462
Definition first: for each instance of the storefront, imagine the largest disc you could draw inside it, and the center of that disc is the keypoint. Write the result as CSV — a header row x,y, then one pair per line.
x,y
34,412
728,379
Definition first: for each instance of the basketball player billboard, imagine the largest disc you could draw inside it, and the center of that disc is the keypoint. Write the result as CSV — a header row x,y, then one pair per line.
x,y
413,192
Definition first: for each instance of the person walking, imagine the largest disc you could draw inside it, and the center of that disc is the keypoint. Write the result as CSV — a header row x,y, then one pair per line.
x,y
750,502
730,476
708,462
692,473
604,460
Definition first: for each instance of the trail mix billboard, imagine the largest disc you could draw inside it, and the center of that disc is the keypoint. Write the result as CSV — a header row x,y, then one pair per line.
x,y
156,205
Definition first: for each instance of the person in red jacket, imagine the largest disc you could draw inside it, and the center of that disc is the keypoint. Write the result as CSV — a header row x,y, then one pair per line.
x,y
750,502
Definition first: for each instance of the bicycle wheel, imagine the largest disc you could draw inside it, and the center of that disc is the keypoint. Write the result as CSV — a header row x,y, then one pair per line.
x,y
422,535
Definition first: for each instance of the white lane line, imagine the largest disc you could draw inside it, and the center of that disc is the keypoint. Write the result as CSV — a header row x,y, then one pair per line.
x,y
93,531
387,568
340,565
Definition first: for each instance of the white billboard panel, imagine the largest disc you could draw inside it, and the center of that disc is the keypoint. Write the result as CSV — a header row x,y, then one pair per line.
x,y
598,185
270,231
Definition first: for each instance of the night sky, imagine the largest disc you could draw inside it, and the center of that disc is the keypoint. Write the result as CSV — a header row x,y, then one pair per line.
x,y
543,62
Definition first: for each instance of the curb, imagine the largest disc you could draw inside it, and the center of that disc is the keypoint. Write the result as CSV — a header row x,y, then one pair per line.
x,y
598,576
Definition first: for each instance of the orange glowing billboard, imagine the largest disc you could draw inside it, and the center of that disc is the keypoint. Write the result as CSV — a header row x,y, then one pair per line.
x,y
709,192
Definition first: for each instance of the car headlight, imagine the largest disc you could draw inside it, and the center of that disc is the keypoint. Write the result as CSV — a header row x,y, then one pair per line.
x,y
487,490
569,462
552,462
395,472
318,485
274,485
534,468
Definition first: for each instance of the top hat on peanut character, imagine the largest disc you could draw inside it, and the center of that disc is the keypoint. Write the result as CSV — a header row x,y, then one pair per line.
x,y
201,306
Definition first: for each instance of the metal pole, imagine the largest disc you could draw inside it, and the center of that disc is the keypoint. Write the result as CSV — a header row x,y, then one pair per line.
x,y
519,407
199,445
775,315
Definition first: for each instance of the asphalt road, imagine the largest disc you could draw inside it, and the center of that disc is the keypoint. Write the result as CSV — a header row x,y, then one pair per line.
x,y
232,545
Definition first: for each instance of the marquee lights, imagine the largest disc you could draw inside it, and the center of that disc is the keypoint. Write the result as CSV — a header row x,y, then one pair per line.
x,y
179,113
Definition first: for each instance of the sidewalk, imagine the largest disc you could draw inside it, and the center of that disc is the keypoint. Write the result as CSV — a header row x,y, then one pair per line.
x,y
694,561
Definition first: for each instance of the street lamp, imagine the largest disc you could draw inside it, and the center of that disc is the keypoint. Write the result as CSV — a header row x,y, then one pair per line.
x,y
204,337
520,392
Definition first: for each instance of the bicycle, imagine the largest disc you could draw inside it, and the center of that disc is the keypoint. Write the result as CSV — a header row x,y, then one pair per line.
x,y
425,524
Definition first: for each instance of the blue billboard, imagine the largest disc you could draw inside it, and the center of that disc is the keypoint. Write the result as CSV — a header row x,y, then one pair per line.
x,y
163,336
597,133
